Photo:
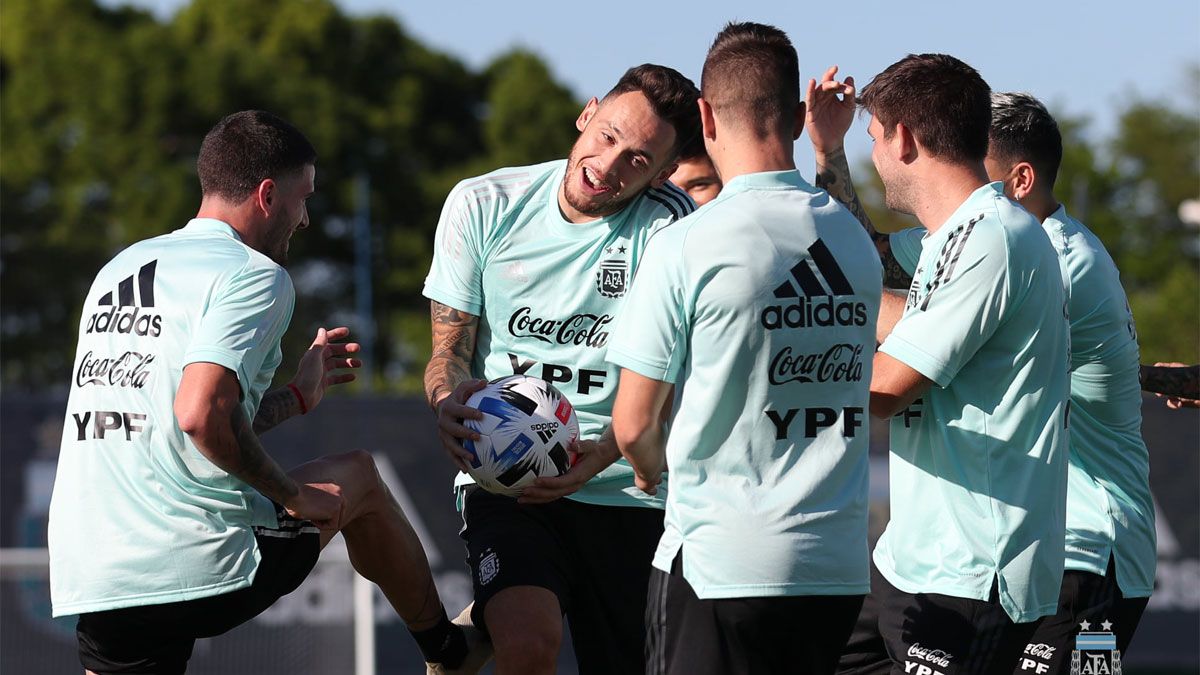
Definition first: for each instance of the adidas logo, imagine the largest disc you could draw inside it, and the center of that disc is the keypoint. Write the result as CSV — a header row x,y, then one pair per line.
x,y
118,319
545,430
815,303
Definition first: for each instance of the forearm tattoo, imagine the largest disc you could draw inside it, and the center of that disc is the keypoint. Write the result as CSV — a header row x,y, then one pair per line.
x,y
453,347
1180,381
254,465
833,176
277,405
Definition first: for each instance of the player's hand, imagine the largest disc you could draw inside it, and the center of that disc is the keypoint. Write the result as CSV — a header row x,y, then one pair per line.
x,y
592,457
318,365
451,411
648,484
828,118
320,503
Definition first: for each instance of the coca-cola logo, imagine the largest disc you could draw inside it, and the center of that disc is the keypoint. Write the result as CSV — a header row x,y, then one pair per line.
x,y
935,656
577,329
1040,650
840,363
130,369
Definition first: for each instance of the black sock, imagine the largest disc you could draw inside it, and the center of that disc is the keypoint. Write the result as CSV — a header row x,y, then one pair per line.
x,y
444,643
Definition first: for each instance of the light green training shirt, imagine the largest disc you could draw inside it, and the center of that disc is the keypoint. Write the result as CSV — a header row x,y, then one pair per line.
x,y
978,463
139,516
761,309
546,291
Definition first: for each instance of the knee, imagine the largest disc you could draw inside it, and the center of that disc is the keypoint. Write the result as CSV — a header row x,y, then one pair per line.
x,y
533,649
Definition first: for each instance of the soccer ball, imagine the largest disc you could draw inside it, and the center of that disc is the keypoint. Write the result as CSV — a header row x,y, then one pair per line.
x,y
526,432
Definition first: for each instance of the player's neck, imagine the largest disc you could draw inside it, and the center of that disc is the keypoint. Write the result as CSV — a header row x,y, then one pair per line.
x,y
745,155
1041,206
233,215
942,189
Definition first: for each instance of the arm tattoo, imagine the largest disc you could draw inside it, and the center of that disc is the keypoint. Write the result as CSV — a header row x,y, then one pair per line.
x,y
834,177
277,405
1180,381
453,347
252,464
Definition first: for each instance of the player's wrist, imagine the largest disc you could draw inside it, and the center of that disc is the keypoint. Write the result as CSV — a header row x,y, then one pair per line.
x,y
825,152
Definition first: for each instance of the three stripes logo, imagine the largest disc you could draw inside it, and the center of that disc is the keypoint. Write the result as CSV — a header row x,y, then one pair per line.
x,y
946,262
125,314
814,283
545,430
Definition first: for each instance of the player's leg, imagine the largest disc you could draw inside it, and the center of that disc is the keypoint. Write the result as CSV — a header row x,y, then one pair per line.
x,y
1087,600
929,633
520,577
384,548
865,652
611,548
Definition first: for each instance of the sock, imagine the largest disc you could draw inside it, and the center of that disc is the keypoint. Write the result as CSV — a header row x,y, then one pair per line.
x,y
444,643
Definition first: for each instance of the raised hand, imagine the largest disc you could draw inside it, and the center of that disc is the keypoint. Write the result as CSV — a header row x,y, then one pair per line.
x,y
829,117
316,371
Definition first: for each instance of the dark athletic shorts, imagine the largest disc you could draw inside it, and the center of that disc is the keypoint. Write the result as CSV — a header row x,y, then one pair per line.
x,y
930,634
159,638
1085,597
742,636
595,559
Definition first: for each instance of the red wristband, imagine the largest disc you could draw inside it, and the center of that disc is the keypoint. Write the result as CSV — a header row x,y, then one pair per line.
x,y
299,398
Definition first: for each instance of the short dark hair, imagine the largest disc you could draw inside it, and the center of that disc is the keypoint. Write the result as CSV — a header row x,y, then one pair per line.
x,y
246,148
1024,131
752,75
941,100
672,96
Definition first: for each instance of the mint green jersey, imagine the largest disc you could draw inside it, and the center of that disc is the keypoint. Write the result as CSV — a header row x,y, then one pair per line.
x,y
978,463
139,516
546,291
1109,508
761,309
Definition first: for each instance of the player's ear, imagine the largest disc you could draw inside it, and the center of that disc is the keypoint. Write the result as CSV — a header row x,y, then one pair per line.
x,y
1024,177
905,143
663,175
708,123
798,123
264,196
586,115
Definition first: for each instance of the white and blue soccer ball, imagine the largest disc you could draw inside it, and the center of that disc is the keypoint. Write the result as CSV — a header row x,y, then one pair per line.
x,y
526,432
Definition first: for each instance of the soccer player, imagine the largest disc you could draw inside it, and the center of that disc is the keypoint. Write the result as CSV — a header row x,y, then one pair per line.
x,y
697,176
973,370
531,265
760,308
169,522
1110,543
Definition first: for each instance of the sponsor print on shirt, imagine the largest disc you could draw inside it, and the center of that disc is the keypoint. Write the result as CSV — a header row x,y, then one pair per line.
x,y
125,316
927,661
814,305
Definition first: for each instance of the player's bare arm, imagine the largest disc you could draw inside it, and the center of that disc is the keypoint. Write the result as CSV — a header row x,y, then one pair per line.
x,y
828,118
638,429
313,376
448,382
208,409
894,386
1178,382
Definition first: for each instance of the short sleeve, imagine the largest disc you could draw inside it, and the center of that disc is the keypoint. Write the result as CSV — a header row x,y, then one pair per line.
x,y
958,309
242,325
906,247
650,336
456,276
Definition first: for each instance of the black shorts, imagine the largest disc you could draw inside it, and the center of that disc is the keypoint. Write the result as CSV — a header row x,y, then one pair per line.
x,y
159,638
1085,597
595,559
742,636
932,634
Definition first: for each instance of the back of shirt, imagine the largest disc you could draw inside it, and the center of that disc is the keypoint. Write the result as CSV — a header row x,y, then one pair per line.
x,y
139,516
1109,508
761,308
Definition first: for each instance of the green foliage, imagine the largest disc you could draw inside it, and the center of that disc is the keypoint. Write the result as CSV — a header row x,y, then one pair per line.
x,y
102,112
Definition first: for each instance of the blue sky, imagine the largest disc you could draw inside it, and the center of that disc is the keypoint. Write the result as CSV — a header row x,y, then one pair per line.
x,y
1081,58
